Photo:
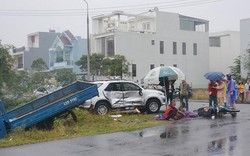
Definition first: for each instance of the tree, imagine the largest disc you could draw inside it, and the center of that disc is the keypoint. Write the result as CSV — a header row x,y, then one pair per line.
x,y
246,62
39,65
112,66
40,76
95,61
64,76
6,66
118,66
19,84
235,70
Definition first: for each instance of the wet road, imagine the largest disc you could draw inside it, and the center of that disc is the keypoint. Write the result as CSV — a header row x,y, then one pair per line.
x,y
186,137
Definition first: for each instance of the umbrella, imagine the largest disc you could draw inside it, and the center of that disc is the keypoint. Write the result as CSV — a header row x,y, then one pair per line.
x,y
214,76
156,75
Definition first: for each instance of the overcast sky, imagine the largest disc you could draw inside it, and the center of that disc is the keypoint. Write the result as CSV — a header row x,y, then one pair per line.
x,y
22,17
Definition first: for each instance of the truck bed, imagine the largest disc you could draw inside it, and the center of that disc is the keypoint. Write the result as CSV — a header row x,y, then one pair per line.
x,y
51,105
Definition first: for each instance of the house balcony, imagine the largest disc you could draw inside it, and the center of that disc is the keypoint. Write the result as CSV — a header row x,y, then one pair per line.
x,y
64,64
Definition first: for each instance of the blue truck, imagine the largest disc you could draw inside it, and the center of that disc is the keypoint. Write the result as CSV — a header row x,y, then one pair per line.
x,y
44,110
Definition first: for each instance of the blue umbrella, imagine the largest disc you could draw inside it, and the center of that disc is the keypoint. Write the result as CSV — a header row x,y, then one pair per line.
x,y
214,76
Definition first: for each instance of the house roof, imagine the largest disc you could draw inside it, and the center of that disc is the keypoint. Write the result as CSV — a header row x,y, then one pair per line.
x,y
70,35
65,40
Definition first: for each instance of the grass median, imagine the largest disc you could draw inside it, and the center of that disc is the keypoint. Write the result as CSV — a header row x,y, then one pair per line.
x,y
88,124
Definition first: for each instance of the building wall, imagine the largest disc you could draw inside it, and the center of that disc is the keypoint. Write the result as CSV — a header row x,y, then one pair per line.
x,y
244,42
41,50
79,49
220,58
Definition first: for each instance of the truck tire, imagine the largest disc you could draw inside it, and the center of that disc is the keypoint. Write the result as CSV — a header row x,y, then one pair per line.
x,y
102,108
153,106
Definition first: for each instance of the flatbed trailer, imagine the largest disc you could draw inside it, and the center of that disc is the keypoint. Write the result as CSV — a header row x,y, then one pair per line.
x,y
45,109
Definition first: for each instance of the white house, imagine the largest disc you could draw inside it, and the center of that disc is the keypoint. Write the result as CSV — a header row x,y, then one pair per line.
x,y
66,50
155,38
224,48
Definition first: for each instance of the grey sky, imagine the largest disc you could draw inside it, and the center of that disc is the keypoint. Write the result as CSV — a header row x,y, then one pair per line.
x,y
22,17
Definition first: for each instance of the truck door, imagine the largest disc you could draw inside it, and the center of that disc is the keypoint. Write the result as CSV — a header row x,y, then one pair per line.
x,y
132,94
114,94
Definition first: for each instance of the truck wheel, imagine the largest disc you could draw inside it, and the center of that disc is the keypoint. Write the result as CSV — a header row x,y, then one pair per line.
x,y
153,106
234,115
102,108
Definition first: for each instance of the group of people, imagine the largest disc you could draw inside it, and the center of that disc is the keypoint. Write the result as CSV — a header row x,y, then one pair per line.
x,y
171,111
225,92
221,93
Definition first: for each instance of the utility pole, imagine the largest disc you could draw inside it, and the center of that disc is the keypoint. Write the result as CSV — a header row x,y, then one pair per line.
x,y
88,48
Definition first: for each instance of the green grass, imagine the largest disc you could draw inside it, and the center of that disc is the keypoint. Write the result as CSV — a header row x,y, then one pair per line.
x,y
88,124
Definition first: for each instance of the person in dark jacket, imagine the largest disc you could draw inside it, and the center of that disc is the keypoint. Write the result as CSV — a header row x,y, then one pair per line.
x,y
170,91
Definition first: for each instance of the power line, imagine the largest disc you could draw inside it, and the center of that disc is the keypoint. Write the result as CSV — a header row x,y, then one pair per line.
x,y
96,11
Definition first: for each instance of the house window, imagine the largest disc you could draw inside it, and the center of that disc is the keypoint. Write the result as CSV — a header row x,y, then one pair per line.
x,y
195,48
152,66
174,48
146,26
103,46
67,58
110,47
161,47
183,48
133,70
152,42
214,41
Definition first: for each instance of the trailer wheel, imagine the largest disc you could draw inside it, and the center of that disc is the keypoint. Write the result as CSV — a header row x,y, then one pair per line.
x,y
65,115
46,124
153,106
102,108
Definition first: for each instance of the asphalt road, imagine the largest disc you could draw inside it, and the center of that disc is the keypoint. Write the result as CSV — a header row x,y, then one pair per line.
x,y
187,137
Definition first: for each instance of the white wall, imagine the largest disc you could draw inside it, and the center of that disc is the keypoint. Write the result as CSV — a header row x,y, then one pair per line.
x,y
138,50
220,58
244,41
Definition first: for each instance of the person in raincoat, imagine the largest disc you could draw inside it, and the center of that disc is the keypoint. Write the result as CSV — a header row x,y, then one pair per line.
x,y
221,92
241,91
231,91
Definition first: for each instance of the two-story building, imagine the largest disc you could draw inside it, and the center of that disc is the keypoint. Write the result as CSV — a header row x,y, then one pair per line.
x,y
37,47
155,38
